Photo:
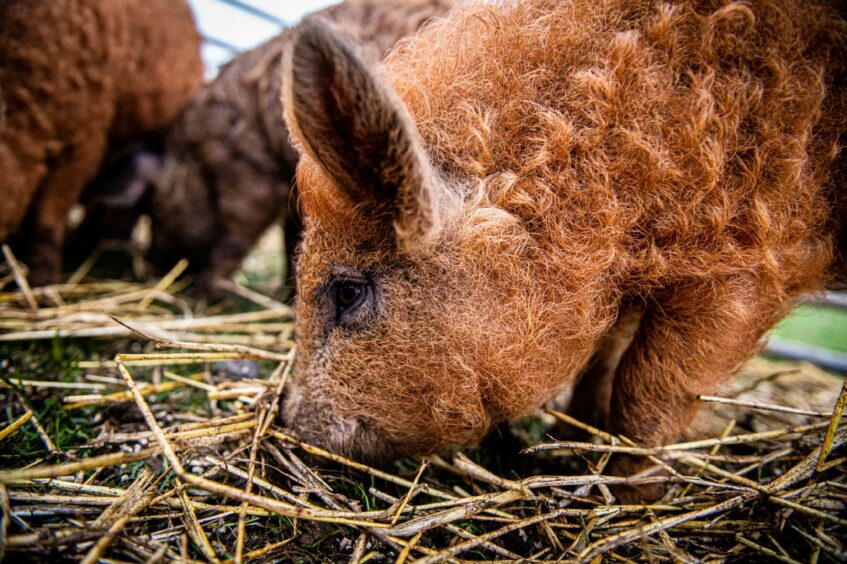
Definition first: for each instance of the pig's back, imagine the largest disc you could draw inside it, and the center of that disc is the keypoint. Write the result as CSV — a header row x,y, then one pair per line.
x,y
660,140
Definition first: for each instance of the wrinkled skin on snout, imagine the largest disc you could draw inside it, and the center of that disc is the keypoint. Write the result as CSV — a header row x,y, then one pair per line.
x,y
410,333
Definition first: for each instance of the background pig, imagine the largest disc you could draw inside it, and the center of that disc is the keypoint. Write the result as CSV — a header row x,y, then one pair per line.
x,y
228,166
77,75
522,176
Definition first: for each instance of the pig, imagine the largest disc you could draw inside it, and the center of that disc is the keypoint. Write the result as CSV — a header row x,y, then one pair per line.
x,y
527,192
225,166
76,77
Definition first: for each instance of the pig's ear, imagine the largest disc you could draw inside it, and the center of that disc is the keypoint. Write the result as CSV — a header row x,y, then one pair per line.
x,y
348,118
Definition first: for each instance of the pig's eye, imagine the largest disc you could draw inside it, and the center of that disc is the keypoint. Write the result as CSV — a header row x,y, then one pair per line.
x,y
349,296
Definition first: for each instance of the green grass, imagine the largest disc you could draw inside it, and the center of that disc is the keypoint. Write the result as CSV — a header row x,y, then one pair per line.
x,y
41,360
816,325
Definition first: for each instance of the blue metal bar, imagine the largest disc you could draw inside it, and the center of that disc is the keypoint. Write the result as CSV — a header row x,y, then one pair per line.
x,y
222,44
795,350
254,11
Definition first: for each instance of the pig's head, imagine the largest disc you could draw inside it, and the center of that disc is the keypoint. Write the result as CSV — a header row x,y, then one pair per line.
x,y
184,218
418,320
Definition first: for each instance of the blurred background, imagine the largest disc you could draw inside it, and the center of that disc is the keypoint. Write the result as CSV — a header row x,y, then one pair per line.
x,y
232,26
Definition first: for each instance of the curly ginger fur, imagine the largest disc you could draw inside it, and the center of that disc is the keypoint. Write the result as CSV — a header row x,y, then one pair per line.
x,y
591,157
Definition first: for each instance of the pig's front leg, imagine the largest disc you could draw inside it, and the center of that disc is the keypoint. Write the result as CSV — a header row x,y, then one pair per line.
x,y
592,394
226,259
689,340
245,214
